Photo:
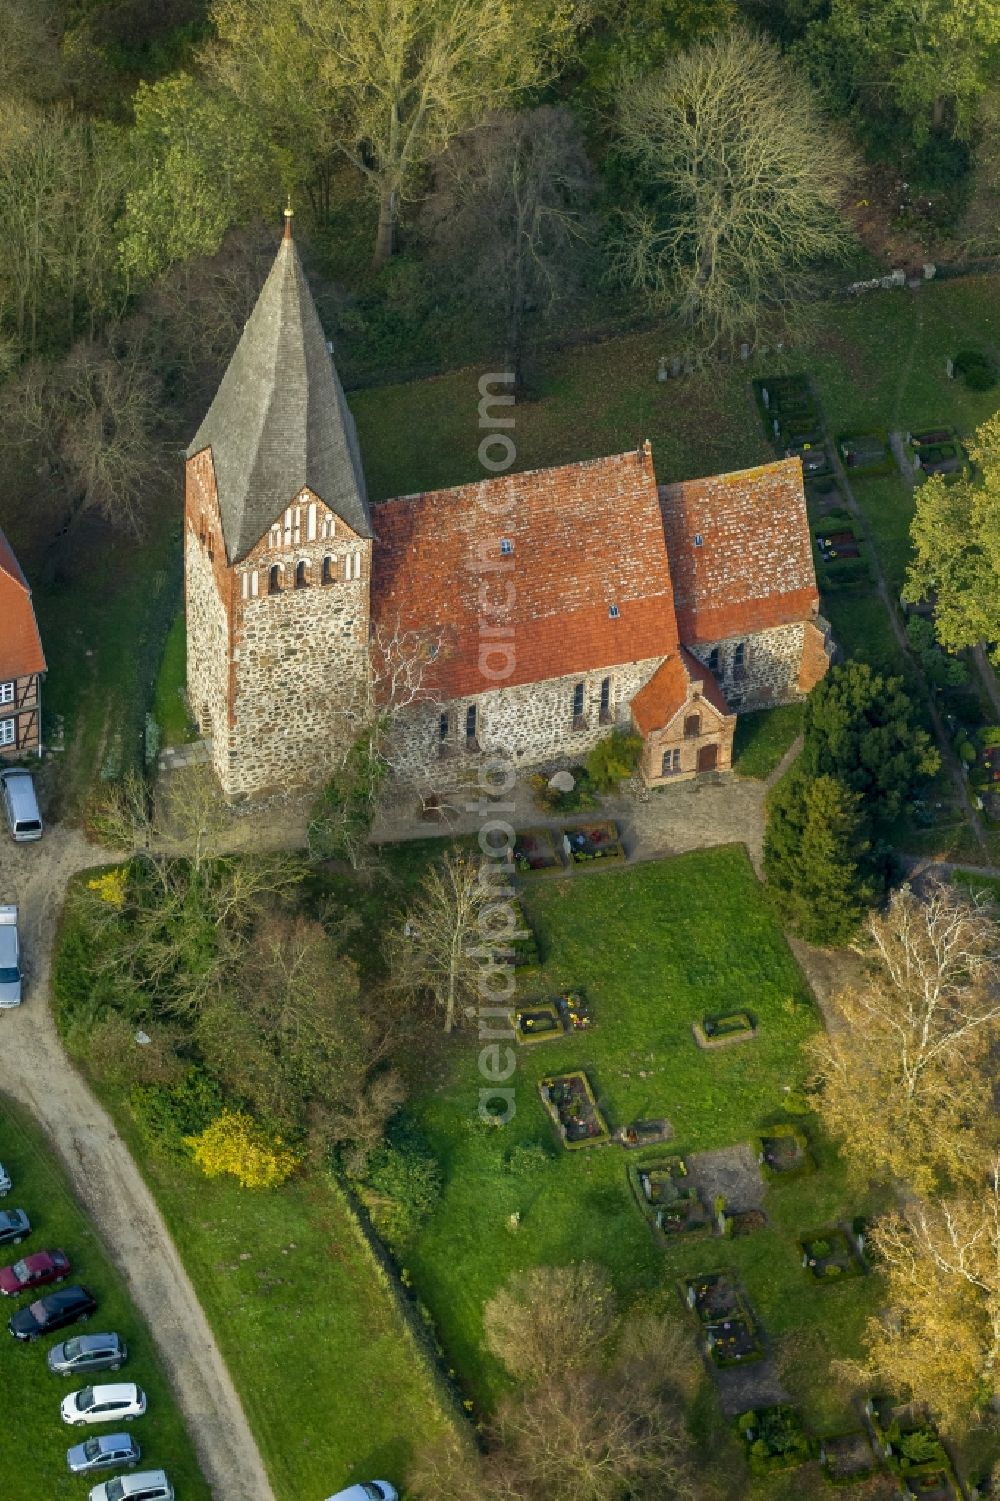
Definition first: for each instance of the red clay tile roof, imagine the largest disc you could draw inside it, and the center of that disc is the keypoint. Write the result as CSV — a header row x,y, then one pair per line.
x,y
669,689
753,568
584,537
659,699
20,643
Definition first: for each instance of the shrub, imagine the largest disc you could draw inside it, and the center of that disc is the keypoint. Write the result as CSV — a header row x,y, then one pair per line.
x,y
526,1158
168,1114
233,1143
402,1186
611,760
976,368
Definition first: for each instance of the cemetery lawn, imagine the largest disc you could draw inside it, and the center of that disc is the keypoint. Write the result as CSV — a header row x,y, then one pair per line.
x,y
653,947
332,1384
761,739
35,1461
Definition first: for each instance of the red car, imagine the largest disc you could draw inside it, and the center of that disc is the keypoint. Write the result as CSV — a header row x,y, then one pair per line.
x,y
32,1271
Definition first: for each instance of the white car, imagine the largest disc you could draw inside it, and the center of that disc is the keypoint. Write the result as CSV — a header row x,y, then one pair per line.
x,y
367,1490
10,959
104,1404
149,1485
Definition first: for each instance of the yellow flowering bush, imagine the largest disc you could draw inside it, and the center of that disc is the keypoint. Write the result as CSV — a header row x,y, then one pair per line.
x,y
235,1144
111,886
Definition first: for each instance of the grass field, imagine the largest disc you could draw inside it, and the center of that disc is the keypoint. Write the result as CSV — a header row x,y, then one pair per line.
x,y
332,1384
762,739
168,694
654,947
34,1467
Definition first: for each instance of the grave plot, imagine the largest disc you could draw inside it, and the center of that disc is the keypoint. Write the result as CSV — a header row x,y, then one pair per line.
x,y
865,453
723,1028
535,850
738,1222
784,1152
666,1198
813,456
937,450
775,1438
830,1255
571,1103
574,1011
538,1022
522,951
847,1457
931,1484
729,1329
592,841
906,1438
837,542
551,1017
646,1133
825,496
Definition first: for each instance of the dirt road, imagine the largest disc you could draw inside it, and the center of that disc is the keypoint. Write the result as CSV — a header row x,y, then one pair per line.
x,y
34,1069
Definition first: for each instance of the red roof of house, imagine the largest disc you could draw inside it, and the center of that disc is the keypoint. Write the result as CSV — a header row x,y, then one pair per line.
x,y
669,689
740,552
583,538
20,644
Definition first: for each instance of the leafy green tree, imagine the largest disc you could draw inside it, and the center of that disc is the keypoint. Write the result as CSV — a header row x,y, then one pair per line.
x,y
202,164
742,181
858,727
638,36
928,59
814,854
956,541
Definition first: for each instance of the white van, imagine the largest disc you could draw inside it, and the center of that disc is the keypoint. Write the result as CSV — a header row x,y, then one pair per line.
x,y
20,805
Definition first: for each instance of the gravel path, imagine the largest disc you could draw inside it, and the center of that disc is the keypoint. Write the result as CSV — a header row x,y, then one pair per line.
x,y
35,1070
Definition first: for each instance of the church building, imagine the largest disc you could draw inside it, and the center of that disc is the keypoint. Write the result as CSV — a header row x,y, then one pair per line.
x,y
546,607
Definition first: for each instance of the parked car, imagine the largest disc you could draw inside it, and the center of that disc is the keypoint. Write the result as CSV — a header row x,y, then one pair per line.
x,y
10,959
20,805
67,1305
87,1352
101,1451
149,1485
33,1271
5,1181
103,1404
368,1490
14,1226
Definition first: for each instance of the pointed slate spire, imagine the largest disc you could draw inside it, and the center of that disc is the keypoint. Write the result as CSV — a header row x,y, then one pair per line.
x,y
280,420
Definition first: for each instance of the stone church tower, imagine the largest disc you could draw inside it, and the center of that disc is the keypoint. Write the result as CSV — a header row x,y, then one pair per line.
x,y
277,551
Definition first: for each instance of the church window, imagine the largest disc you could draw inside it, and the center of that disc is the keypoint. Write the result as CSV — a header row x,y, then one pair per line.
x,y
254,581
698,539
713,659
274,579
671,762
471,723
245,586
301,574
613,612
692,726
354,566
311,527
275,535
326,529
443,726
328,575
578,701
738,659
605,700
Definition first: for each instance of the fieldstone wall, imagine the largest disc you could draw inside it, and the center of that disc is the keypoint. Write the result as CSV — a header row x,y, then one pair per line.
x,y
530,724
207,650
770,669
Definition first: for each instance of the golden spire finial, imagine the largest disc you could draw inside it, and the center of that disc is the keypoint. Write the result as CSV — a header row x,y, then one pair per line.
x,y
289,215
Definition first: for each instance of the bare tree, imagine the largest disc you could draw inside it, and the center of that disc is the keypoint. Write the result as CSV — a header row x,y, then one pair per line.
x,y
434,953
728,139
905,1076
548,1321
510,206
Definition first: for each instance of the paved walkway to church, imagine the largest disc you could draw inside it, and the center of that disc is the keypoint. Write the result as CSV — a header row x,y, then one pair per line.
x,y
35,1071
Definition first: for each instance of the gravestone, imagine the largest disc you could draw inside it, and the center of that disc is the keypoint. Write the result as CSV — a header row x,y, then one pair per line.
x,y
562,781
662,373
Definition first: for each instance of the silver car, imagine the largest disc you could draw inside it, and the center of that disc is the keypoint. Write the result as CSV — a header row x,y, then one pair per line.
x,y
87,1352
10,959
102,1451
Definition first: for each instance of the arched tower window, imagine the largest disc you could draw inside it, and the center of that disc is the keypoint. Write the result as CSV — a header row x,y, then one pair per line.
x,y
274,579
301,574
328,574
